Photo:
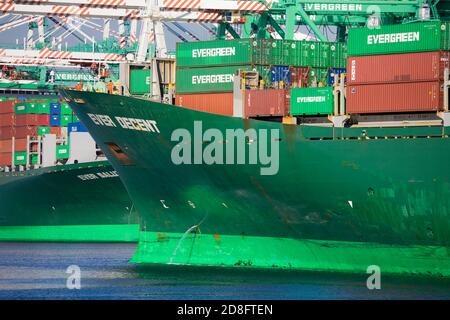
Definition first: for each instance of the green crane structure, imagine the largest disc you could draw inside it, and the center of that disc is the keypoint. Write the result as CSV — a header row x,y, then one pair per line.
x,y
285,16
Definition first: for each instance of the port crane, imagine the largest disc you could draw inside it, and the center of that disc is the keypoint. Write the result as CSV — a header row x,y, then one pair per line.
x,y
142,24
258,19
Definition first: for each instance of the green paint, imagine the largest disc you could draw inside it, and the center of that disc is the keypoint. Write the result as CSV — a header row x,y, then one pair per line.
x,y
214,53
311,101
399,38
43,107
62,152
301,254
65,120
20,158
80,202
43,130
76,233
34,159
261,52
32,107
377,194
140,81
212,79
65,109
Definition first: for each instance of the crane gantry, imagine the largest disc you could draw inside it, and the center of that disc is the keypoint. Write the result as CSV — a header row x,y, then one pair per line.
x,y
258,18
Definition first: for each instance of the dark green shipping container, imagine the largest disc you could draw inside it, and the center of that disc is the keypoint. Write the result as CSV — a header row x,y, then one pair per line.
x,y
399,38
211,79
261,52
214,53
20,158
140,81
62,152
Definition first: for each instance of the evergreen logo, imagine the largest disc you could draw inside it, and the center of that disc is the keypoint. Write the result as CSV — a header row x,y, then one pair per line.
x,y
212,78
234,146
333,7
214,52
393,37
311,99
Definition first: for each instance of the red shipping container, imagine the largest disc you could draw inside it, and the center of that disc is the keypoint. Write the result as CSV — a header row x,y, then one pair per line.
x,y
269,102
300,77
7,106
5,159
7,119
6,133
19,145
395,97
406,67
32,120
5,146
217,103
55,130
23,132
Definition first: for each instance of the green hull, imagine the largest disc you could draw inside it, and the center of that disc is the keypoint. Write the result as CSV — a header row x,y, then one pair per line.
x,y
56,204
343,198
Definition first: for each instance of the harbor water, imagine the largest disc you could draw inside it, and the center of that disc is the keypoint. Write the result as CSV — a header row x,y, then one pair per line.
x,y
39,271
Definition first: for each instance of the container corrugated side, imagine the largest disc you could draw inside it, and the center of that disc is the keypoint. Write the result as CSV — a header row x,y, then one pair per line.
x,y
300,77
7,106
5,159
7,132
311,101
214,53
32,120
406,67
217,103
395,97
269,102
140,81
398,38
318,75
7,119
212,79
267,52
32,131
291,52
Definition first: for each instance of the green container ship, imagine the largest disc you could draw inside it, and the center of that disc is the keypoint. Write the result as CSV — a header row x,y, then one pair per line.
x,y
44,195
342,199
70,203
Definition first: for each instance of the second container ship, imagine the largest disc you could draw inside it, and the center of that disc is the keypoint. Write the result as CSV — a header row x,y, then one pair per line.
x,y
54,185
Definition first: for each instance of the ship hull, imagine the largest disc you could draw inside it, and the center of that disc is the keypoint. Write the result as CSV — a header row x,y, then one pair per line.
x,y
341,199
74,203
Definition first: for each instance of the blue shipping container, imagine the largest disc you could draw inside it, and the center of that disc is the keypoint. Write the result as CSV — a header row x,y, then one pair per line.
x,y
55,108
280,73
55,120
76,127
335,71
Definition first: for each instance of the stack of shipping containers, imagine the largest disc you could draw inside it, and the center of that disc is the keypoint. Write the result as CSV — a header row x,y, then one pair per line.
x,y
21,122
397,68
205,70
324,60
